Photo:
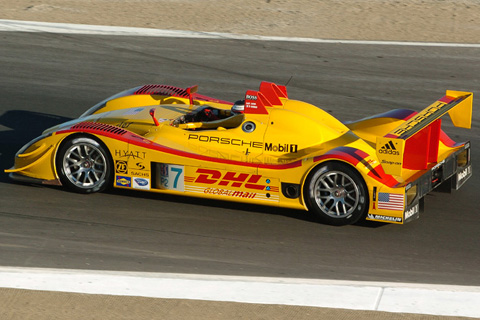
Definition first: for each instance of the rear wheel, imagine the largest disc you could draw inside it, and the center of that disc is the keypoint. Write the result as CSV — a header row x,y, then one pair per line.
x,y
84,165
336,194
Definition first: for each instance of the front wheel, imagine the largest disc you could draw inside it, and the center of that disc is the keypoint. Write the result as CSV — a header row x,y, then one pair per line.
x,y
83,165
336,194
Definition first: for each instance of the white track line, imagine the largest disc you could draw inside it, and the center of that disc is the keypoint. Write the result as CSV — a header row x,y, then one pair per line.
x,y
66,28
377,296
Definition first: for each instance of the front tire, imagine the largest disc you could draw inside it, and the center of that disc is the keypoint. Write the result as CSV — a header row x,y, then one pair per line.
x,y
336,194
84,165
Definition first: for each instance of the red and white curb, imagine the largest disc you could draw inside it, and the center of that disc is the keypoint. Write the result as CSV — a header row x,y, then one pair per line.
x,y
67,28
444,300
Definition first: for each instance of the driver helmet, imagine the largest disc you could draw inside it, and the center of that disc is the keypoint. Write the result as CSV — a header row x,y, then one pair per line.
x,y
238,106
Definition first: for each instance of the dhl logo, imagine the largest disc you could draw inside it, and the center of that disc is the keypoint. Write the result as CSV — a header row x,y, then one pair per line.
x,y
233,179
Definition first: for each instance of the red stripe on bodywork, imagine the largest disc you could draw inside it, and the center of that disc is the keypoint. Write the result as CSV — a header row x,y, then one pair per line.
x,y
446,140
350,155
378,174
447,99
137,140
160,148
354,156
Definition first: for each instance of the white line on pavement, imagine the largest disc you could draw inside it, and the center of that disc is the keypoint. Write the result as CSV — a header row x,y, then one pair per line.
x,y
443,300
66,28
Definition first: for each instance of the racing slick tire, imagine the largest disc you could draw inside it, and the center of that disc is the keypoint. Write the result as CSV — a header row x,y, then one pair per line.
x,y
84,165
336,194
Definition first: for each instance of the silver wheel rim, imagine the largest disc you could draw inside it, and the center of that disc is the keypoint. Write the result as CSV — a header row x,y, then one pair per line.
x,y
336,194
85,165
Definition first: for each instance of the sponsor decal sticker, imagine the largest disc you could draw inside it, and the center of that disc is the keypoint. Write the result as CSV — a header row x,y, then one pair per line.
x,y
292,148
172,177
130,154
138,170
268,146
226,141
140,173
390,153
232,179
384,218
463,175
389,148
132,112
438,165
412,211
121,167
139,166
391,201
122,181
417,120
140,183
124,125
230,193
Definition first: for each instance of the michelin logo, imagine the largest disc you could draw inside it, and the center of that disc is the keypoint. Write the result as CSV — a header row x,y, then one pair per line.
x,y
384,218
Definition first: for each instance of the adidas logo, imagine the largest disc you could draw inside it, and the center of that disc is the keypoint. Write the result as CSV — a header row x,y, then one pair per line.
x,y
389,148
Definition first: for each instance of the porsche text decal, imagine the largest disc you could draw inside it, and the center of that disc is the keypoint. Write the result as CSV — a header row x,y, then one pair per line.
x,y
224,140
272,147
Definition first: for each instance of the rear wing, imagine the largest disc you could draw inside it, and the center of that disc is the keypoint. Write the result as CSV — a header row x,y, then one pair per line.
x,y
415,143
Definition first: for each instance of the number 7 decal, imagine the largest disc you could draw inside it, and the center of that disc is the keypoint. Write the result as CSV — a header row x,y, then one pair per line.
x,y
173,177
179,173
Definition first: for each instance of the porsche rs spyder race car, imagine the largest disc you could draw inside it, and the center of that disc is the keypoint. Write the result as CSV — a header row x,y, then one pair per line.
x,y
266,149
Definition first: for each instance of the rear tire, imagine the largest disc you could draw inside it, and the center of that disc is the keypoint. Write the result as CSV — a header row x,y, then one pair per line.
x,y
84,165
336,194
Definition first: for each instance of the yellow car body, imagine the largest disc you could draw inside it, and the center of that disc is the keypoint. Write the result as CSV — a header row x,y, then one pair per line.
x,y
278,152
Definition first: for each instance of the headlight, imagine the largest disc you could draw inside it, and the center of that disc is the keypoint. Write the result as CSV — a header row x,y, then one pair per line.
x,y
28,145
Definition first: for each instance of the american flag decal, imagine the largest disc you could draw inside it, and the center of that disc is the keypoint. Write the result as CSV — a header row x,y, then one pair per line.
x,y
391,201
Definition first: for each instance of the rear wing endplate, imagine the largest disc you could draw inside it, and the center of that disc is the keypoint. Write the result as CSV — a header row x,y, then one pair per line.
x,y
415,143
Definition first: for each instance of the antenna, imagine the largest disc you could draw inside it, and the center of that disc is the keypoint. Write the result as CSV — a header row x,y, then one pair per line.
x,y
286,84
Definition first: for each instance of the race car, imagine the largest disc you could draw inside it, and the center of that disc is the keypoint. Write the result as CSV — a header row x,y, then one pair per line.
x,y
265,149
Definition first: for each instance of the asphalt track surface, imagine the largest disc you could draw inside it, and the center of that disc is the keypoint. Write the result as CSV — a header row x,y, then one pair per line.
x,y
46,79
